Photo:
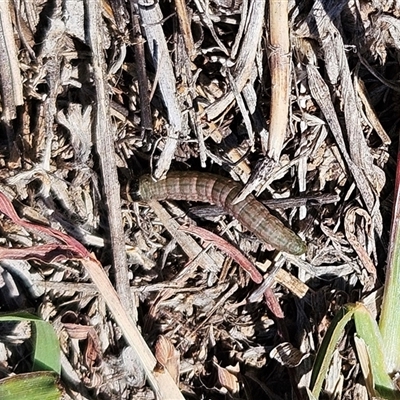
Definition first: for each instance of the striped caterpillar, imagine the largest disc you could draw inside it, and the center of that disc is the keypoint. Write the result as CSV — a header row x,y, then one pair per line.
x,y
218,190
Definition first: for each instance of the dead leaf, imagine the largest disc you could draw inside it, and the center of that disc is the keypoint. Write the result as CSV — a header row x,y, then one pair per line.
x,y
228,379
92,352
168,356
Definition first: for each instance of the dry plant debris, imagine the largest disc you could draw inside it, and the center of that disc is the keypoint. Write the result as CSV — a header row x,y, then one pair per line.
x,y
297,100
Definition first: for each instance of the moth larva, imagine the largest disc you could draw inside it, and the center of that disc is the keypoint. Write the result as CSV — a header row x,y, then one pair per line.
x,y
218,190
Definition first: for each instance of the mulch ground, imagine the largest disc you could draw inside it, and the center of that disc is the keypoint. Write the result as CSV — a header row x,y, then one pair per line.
x,y
298,102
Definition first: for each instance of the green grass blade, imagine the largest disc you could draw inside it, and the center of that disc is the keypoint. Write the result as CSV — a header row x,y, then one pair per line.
x,y
328,345
389,323
30,386
367,329
47,348
46,355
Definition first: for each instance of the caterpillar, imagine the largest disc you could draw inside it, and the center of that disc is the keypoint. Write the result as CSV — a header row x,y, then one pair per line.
x,y
221,191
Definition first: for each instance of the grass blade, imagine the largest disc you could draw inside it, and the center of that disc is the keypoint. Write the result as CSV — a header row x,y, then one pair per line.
x,y
367,329
328,345
389,324
46,355
31,386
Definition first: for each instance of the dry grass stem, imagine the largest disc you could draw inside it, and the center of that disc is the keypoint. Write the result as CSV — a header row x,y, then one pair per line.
x,y
11,81
104,142
279,63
